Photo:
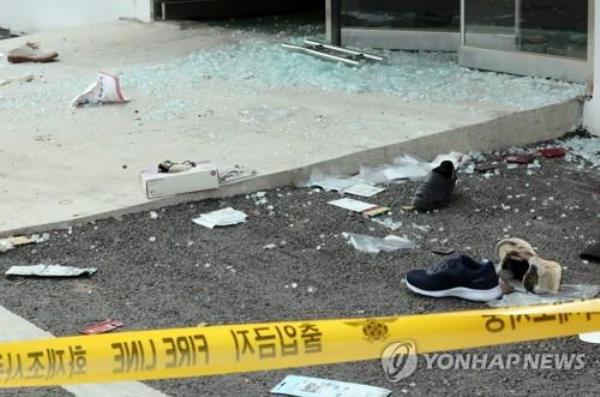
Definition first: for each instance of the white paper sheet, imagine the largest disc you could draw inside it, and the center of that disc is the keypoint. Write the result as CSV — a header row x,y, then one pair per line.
x,y
301,386
364,190
352,205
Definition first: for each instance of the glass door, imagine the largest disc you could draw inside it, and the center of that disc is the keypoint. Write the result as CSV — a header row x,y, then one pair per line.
x,y
547,38
409,25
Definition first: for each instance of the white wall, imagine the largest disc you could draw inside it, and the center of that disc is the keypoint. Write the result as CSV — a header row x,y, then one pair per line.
x,y
37,15
591,113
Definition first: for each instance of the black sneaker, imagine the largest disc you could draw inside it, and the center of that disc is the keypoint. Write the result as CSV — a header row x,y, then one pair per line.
x,y
436,190
460,277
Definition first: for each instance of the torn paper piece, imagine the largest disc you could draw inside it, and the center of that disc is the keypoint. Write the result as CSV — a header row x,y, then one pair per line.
x,y
364,190
102,327
301,386
374,245
50,271
567,293
223,217
352,205
107,89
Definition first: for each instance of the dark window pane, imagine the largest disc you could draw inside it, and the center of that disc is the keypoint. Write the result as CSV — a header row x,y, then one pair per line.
x,y
551,27
424,14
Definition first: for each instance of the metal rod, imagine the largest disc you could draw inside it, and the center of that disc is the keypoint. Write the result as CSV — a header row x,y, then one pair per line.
x,y
591,42
372,57
518,19
322,55
463,24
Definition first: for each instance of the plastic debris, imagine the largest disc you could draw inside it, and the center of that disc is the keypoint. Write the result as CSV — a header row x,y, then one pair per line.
x,y
43,270
37,238
11,243
260,198
402,168
592,337
153,215
388,223
101,327
374,245
6,245
364,190
407,167
107,89
568,292
301,386
329,183
223,217
270,246
352,205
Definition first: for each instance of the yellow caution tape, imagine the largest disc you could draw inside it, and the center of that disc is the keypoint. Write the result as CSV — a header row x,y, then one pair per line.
x,y
191,352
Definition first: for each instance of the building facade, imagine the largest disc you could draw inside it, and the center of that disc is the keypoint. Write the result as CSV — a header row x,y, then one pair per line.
x,y
544,38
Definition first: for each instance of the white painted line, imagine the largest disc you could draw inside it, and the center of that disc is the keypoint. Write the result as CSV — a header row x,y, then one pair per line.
x,y
14,328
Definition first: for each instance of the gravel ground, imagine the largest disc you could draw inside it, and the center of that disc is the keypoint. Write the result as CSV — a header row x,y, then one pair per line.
x,y
168,272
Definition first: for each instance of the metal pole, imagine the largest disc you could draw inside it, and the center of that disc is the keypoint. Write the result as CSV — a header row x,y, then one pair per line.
x,y
333,21
518,21
463,24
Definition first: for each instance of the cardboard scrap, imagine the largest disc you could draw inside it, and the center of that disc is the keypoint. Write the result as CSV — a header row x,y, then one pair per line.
x,y
43,270
302,386
375,212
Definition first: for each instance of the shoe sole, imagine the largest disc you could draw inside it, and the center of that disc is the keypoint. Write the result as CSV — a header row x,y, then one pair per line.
x,y
475,295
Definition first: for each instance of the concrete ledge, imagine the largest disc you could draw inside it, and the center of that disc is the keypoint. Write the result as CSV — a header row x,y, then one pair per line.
x,y
514,129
